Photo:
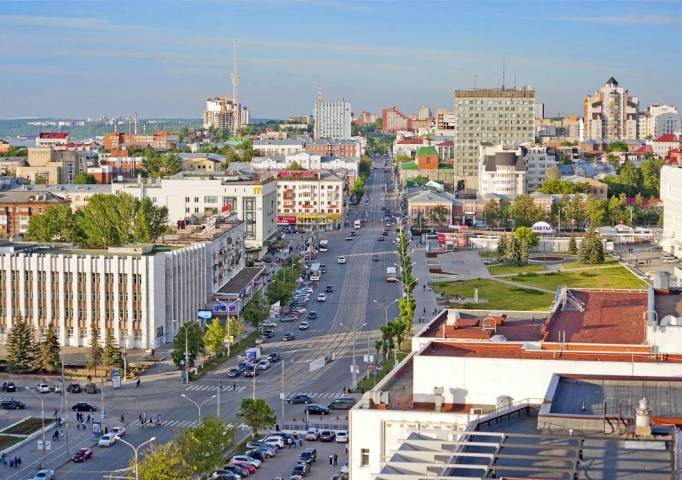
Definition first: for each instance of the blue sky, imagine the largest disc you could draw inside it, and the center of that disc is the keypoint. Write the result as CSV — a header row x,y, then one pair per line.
x,y
162,58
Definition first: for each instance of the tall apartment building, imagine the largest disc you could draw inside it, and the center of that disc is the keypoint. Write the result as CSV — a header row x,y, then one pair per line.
x,y
611,113
52,139
161,139
445,122
201,194
539,159
17,208
51,166
224,113
502,171
658,120
494,116
394,121
332,119
424,113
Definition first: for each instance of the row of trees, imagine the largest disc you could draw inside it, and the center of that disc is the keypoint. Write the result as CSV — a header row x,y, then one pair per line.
x,y
212,340
515,249
632,180
107,220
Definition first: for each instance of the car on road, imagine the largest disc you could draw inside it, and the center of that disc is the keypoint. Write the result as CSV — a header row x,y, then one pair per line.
x,y
82,455
300,311
274,440
12,404
329,288
303,326
233,373
300,398
274,357
349,237
327,436
312,434
380,238
342,436
9,387
321,297
301,470
312,315
245,458
84,407
269,325
43,388
288,337
107,440
317,409
74,388
341,403
118,431
250,372
268,334
375,258
263,364
291,477
288,318
44,475
341,259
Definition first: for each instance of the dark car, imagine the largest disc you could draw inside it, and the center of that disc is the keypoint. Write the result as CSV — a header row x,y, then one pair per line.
x,y
12,404
82,455
264,451
312,315
256,453
312,452
274,357
316,409
329,288
327,436
244,366
301,470
74,388
224,475
341,403
301,398
380,238
268,334
233,372
289,337
10,387
84,407
250,372
242,472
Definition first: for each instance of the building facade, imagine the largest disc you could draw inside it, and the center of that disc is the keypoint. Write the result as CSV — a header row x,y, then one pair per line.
x,y
118,141
335,148
539,159
611,113
502,171
332,119
658,120
49,165
278,148
494,116
312,199
52,139
223,113
17,208
429,209
394,121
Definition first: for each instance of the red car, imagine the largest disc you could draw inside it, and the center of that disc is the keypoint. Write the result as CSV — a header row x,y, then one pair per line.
x,y
245,465
82,455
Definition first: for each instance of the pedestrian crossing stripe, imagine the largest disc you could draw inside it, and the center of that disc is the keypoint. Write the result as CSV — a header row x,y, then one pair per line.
x,y
318,395
213,388
194,423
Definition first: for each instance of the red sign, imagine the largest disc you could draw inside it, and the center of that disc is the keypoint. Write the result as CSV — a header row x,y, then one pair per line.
x,y
226,208
296,174
286,220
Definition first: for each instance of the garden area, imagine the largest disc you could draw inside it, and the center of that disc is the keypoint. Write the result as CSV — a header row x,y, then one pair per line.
x,y
497,295
614,276
27,426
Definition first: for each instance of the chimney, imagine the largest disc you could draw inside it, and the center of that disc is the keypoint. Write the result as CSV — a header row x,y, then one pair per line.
x,y
643,418
438,398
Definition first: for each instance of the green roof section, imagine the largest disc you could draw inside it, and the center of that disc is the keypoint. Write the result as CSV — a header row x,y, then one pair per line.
x,y
408,166
427,151
445,166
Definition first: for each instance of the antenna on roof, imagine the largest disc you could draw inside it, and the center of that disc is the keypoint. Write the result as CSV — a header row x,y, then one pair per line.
x,y
235,75
514,82
475,79
503,73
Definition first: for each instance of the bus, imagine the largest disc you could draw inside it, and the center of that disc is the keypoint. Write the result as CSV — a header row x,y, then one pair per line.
x,y
324,245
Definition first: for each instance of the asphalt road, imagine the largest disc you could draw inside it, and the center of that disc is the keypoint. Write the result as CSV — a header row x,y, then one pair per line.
x,y
357,284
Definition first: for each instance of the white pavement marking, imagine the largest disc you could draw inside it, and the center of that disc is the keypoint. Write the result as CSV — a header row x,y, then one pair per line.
x,y
213,388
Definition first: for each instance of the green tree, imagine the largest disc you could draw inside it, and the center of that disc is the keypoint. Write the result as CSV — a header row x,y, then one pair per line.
x,y
572,246
502,246
111,354
591,250
514,252
439,214
257,310
204,446
524,212
402,157
246,150
491,212
553,173
597,211
365,166
21,346
48,350
95,353
617,208
651,176
257,414
57,224
557,186
214,337
159,166
83,178
527,236
577,210
236,327
162,462
230,157
618,147
195,344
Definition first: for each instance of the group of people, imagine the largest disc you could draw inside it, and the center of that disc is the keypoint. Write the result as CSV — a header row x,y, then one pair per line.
x,y
296,441
11,462
82,420
147,420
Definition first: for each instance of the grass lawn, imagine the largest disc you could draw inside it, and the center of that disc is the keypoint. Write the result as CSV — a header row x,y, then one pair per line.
x,y
368,381
28,426
613,277
7,441
506,269
499,296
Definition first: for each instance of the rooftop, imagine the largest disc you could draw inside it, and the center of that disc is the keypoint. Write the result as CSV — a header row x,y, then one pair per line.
x,y
66,188
240,281
470,326
16,196
54,135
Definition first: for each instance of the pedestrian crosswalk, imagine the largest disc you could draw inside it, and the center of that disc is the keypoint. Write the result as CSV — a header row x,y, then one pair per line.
x,y
194,423
213,388
318,395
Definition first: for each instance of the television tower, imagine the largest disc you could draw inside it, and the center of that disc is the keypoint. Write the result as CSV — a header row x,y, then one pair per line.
x,y
235,75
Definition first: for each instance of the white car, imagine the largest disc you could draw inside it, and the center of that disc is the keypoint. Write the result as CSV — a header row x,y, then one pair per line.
x,y
246,459
321,297
107,440
274,440
312,434
341,259
43,388
342,436
263,364
118,431
44,475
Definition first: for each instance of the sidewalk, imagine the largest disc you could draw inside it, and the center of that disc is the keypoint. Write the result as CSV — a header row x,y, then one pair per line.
x,y
426,305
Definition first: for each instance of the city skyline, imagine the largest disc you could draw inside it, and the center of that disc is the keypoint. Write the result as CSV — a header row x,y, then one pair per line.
x,y
125,57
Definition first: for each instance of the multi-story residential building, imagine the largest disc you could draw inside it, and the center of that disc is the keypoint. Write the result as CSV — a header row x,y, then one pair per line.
x,y
48,165
445,122
367,117
335,148
424,113
8,165
408,145
77,196
394,121
493,116
539,159
312,199
197,194
4,146
122,166
52,139
278,148
17,208
446,150
611,113
273,165
202,162
502,171
224,113
332,119
428,209
116,142
658,120
664,144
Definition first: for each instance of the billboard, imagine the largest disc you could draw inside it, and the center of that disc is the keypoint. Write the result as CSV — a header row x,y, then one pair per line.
x,y
227,308
204,315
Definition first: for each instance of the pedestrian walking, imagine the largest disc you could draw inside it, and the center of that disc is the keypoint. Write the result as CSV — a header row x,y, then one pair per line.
x,y
123,419
331,460
11,463
137,383
141,421
234,386
424,287
424,310
17,462
336,460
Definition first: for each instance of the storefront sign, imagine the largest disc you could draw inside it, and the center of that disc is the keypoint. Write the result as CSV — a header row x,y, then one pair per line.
x,y
288,220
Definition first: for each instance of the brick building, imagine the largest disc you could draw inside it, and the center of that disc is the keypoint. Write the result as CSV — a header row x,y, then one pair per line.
x,y
334,148
16,209
427,158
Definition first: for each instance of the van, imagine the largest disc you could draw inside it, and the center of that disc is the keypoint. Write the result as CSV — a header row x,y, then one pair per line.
x,y
341,403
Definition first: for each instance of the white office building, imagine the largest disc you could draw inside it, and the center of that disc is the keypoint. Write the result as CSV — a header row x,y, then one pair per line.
x,y
671,194
658,120
539,159
502,171
332,119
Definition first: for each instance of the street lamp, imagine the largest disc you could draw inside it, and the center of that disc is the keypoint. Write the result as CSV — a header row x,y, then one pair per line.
x,y
385,308
352,330
135,449
229,342
198,405
42,420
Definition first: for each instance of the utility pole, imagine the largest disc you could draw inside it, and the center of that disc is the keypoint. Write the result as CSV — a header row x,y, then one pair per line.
x,y
253,391
64,401
101,401
186,356
355,377
282,395
220,389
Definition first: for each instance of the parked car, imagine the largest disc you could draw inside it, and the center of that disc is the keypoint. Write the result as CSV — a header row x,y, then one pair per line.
x,y
236,470
43,388
341,259
74,388
84,407
341,403
312,434
329,288
274,440
245,458
312,452
327,436
300,398
260,444
342,437
261,453
12,404
249,468
44,475
82,455
269,325
316,409
288,318
303,326
321,297
301,470
107,440
289,337
9,387
233,373
274,357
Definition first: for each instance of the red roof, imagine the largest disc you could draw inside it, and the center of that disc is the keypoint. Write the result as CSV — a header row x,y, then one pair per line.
x,y
55,135
668,137
446,143
411,141
644,150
